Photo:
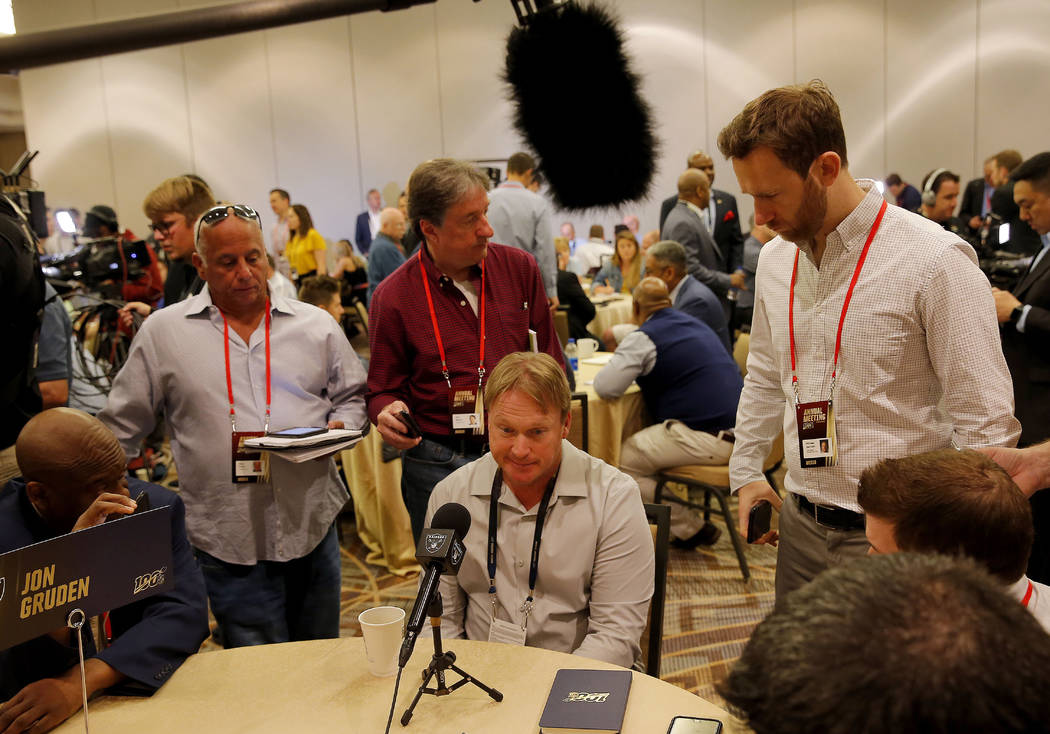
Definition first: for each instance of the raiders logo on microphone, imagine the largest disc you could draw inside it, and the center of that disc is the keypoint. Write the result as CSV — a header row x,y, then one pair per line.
x,y
433,542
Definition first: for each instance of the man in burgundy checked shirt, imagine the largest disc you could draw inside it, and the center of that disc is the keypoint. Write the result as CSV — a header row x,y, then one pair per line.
x,y
441,322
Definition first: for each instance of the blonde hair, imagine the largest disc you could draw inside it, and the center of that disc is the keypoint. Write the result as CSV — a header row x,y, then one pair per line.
x,y
180,195
534,373
561,245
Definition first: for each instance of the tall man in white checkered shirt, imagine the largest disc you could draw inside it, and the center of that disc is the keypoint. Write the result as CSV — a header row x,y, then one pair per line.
x,y
919,365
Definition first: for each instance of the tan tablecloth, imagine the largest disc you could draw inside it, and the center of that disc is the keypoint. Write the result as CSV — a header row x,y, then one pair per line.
x,y
607,315
609,421
325,686
382,520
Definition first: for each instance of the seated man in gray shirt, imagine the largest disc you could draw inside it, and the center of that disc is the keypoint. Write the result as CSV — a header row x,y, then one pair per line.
x,y
594,567
225,365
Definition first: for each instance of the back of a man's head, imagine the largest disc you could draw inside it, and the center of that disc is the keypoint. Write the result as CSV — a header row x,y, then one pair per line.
x,y
520,163
319,290
902,643
952,502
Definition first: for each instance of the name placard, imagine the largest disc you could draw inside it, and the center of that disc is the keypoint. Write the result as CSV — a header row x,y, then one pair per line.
x,y
96,570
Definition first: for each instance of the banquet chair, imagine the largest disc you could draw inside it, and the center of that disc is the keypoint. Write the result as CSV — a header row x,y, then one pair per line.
x,y
714,480
561,324
659,517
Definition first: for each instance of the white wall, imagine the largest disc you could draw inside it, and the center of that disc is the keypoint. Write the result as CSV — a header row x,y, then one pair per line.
x,y
332,108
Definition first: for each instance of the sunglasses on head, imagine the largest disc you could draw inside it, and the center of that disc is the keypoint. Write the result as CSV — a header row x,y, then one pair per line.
x,y
218,213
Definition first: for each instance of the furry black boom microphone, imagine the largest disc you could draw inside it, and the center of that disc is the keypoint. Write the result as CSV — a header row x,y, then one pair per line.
x,y
577,104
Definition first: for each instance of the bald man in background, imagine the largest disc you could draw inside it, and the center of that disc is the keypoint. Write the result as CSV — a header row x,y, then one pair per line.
x,y
386,253
690,385
687,225
74,476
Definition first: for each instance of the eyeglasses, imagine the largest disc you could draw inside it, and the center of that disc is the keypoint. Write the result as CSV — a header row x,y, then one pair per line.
x,y
163,227
218,213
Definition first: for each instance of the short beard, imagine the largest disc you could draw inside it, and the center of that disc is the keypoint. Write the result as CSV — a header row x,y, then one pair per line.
x,y
811,212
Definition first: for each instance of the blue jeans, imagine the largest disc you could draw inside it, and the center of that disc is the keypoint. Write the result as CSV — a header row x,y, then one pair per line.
x,y
422,467
276,601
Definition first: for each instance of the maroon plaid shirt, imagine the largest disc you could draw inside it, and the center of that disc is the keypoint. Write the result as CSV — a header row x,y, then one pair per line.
x,y
405,362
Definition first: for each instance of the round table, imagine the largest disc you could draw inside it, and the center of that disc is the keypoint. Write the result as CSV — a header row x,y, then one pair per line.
x,y
324,685
610,310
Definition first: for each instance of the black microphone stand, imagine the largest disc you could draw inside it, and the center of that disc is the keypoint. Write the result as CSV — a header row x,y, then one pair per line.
x,y
439,663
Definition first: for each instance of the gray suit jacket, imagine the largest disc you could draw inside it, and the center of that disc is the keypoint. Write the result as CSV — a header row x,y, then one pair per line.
x,y
704,259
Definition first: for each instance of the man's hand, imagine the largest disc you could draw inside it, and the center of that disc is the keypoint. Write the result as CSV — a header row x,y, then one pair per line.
x,y
553,303
106,504
738,280
609,340
126,319
750,495
976,222
40,706
336,424
1029,468
601,290
392,428
1005,303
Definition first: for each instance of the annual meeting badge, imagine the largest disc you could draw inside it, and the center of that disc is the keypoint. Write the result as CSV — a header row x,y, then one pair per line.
x,y
248,465
816,433
466,409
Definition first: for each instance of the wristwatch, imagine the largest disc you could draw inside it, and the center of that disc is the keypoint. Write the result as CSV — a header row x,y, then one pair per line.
x,y
1015,315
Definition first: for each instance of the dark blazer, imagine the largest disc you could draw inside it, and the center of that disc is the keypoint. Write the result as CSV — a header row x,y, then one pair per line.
x,y
704,259
697,300
362,233
972,201
1023,238
1028,354
580,308
727,232
151,637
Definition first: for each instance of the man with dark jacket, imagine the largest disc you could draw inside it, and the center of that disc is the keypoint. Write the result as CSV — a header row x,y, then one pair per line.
x,y
74,477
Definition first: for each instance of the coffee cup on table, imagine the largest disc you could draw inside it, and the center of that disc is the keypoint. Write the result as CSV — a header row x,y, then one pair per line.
x,y
586,348
382,628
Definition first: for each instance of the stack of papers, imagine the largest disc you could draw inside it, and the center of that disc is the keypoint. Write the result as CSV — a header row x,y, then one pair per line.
x,y
598,359
298,450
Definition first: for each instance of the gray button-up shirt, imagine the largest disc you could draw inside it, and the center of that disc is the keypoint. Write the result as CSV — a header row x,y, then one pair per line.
x,y
522,219
176,368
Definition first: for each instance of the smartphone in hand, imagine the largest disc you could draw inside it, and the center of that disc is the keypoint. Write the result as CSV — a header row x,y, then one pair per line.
x,y
413,428
758,520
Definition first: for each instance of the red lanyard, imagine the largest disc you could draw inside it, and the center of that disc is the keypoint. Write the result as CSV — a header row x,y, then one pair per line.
x,y
229,379
437,331
1027,596
845,304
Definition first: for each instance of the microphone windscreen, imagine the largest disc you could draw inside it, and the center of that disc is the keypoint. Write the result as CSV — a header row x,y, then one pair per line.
x,y
578,106
451,516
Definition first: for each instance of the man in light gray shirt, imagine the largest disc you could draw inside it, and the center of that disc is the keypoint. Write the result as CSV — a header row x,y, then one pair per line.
x,y
593,566
224,365
521,218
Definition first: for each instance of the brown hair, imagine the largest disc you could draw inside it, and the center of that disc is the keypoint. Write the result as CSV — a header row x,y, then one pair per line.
x,y
180,195
436,185
1008,159
634,270
306,222
954,502
798,123
534,373
318,290
519,163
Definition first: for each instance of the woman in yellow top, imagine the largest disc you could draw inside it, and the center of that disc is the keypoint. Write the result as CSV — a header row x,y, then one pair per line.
x,y
306,246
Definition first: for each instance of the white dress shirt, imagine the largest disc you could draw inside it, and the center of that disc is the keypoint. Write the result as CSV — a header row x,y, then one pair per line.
x,y
921,365
596,565
176,368
1038,604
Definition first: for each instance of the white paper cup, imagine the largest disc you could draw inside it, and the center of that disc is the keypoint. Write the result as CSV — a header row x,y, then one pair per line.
x,y
586,348
382,629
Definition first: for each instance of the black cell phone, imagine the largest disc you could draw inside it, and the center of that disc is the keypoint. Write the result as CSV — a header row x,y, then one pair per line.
x,y
142,503
758,520
694,725
414,431
298,432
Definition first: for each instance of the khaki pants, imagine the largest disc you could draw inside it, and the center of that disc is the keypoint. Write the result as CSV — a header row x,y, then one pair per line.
x,y
806,549
663,446
8,465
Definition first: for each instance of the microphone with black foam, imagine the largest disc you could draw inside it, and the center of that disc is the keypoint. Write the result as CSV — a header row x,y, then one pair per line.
x,y
578,104
440,552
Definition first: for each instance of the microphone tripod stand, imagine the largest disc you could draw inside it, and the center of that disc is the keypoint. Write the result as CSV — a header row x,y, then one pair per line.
x,y
439,663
